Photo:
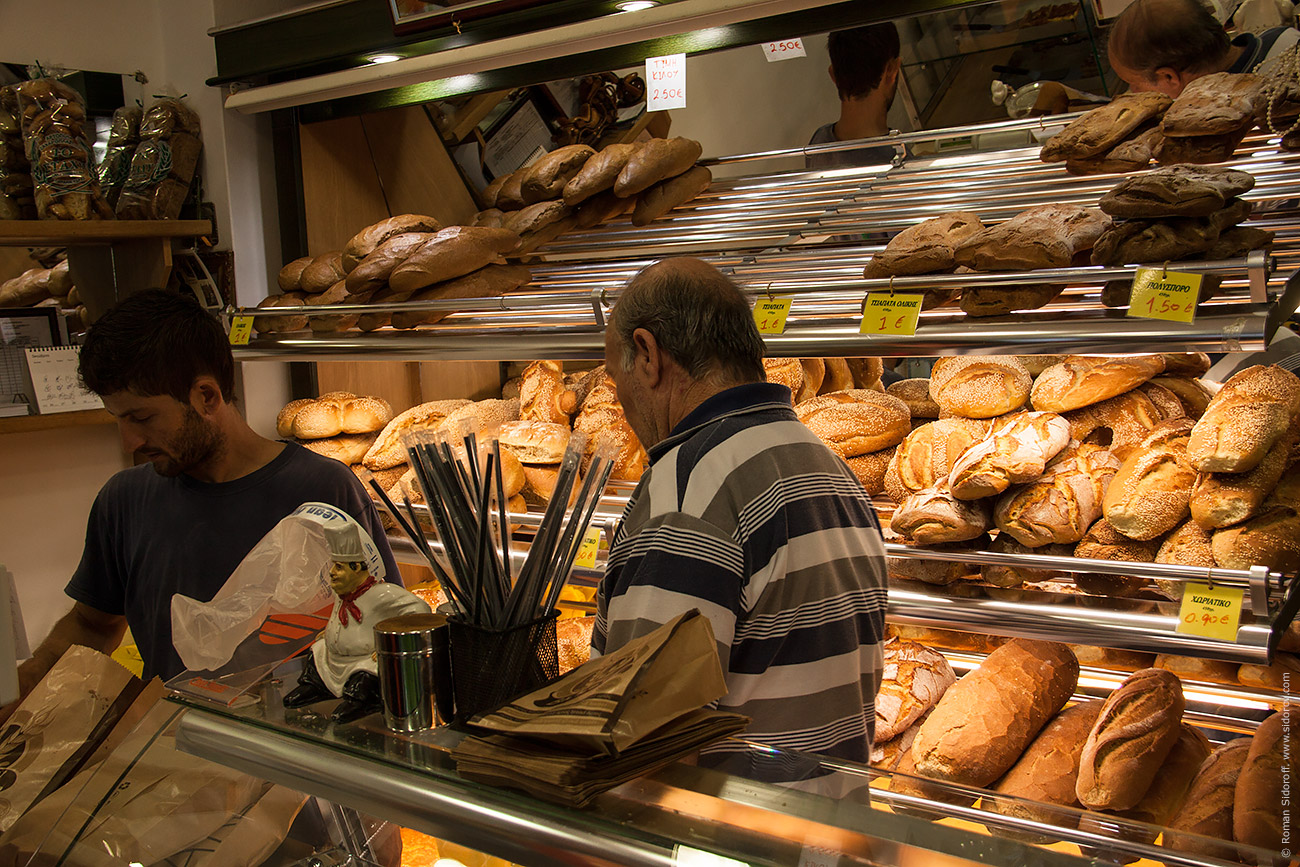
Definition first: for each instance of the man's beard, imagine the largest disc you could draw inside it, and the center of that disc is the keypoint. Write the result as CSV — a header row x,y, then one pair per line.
x,y
196,442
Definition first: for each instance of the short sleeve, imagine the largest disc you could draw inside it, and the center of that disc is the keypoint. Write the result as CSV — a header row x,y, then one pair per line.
x,y
99,580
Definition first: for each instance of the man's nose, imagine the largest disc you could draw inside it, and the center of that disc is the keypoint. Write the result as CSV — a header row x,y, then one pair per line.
x,y
131,439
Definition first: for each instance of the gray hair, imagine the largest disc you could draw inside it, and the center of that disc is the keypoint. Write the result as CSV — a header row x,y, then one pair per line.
x,y
698,316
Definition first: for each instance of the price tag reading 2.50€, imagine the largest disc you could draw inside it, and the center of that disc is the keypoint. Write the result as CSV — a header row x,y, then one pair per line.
x,y
1212,612
770,314
890,314
1161,294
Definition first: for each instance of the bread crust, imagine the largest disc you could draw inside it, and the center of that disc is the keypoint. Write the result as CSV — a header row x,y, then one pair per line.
x,y
1081,381
979,386
1207,809
856,421
1014,453
1251,411
913,680
366,241
450,253
1256,813
598,173
388,452
656,160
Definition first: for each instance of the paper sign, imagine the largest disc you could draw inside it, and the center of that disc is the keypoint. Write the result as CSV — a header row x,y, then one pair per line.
x,y
1168,295
666,81
55,381
890,314
241,328
816,856
783,50
1211,612
586,558
686,856
770,314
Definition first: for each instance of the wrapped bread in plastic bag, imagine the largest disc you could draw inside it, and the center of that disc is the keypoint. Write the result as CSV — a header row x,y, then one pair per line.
x,y
123,138
64,179
17,201
163,164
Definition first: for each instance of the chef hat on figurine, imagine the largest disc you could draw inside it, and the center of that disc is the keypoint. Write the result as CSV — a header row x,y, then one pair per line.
x,y
344,541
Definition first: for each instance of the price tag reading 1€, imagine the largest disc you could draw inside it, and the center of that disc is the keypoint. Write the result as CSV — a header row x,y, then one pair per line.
x,y
587,551
890,314
1211,612
1161,294
770,314
241,328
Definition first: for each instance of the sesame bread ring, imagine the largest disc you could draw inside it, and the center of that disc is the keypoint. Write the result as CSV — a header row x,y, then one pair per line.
x,y
856,421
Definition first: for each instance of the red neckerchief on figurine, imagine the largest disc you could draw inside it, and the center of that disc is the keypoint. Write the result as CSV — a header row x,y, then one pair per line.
x,y
347,602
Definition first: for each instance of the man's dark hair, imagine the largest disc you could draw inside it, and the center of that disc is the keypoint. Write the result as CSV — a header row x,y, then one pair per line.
x,y
1180,34
156,342
859,57
698,317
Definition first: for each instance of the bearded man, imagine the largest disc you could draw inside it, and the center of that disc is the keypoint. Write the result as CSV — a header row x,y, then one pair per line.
x,y
205,490
864,67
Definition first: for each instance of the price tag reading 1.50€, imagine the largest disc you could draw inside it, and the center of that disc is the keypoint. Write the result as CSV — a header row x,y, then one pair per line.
x,y
1168,295
241,328
1212,612
890,314
770,314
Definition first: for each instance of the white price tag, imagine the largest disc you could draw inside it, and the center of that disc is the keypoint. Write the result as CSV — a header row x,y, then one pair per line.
x,y
665,82
686,856
785,49
816,856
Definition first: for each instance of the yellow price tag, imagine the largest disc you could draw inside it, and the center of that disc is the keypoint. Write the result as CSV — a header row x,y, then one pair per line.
x,y
770,314
241,328
1167,295
587,552
1211,612
890,314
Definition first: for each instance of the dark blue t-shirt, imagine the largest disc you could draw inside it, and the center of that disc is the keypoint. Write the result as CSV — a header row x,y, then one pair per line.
x,y
150,537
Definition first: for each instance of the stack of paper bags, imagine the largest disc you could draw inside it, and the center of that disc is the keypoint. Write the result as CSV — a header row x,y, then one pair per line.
x,y
608,721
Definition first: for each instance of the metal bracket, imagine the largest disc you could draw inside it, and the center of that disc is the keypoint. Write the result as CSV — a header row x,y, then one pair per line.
x,y
196,277
1257,268
598,303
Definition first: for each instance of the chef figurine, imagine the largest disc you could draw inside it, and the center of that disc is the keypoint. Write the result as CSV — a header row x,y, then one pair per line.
x,y
342,662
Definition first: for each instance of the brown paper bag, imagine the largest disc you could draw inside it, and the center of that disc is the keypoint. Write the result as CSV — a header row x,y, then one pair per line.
x,y
58,726
611,702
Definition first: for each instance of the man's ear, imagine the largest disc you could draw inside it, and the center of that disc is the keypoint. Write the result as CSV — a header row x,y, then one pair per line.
x,y
648,358
205,395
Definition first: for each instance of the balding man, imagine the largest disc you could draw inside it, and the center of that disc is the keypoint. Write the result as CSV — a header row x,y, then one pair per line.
x,y
1163,45
743,514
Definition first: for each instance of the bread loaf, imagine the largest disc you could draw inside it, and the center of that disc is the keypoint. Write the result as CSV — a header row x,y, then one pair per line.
x,y
1214,104
452,252
373,271
1257,804
598,173
1269,538
856,421
384,295
486,282
814,372
1080,381
1176,191
535,442
1060,506
925,247
1120,423
934,516
388,451
1207,809
907,780
366,241
321,273
601,208
534,218
1194,396
1223,499
492,191
347,448
1044,236
985,721
493,218
927,454
1130,155
291,274
1014,453
284,322
1196,668
481,417
1000,300
886,755
1280,675
839,377
916,394
661,198
1137,728
1103,128
546,178
1244,419
871,468
1012,575
510,196
1166,239
543,395
1188,545
1047,771
979,386
1199,149
339,413
933,571
785,371
656,160
1104,542
866,371
913,680
1149,495
1112,657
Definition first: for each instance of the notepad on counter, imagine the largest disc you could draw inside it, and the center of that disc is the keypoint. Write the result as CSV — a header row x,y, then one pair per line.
x,y
55,382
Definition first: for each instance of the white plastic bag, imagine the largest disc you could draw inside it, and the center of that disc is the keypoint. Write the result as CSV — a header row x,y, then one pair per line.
x,y
285,573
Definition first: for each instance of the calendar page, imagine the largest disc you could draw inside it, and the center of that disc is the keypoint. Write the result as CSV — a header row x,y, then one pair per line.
x,y
55,382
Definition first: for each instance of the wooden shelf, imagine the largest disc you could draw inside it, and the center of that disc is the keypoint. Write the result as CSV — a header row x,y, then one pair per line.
x,y
61,233
51,421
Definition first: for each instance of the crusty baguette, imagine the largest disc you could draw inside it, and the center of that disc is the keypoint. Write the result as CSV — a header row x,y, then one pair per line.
x,y
486,282
598,173
656,160
365,242
373,271
452,252
545,178
1013,453
1080,381
666,195
1207,810
984,722
291,274
1257,805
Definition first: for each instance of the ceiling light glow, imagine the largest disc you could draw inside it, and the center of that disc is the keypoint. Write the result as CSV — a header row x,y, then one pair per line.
x,y
383,58
635,5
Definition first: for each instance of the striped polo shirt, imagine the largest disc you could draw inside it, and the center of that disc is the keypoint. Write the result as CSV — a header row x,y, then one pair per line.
x,y
747,516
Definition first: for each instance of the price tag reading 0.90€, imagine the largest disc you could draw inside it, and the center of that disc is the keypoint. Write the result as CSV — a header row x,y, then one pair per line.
x,y
1161,294
890,314
770,314
1211,612
241,328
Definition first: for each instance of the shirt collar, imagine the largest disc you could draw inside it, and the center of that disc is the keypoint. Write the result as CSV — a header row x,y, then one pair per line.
x,y
1248,58
749,397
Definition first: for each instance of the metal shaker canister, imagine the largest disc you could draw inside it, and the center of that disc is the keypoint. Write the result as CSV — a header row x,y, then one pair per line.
x,y
404,648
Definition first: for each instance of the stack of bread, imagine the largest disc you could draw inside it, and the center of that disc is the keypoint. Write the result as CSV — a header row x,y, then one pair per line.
x,y
338,425
1121,136
929,247
46,287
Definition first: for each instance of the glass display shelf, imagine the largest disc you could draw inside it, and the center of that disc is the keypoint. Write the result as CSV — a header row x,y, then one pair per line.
x,y
751,804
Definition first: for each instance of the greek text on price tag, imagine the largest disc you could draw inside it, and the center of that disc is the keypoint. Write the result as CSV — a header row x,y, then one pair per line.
x,y
770,314
666,82
885,313
783,50
241,328
587,551
816,856
1161,294
1211,612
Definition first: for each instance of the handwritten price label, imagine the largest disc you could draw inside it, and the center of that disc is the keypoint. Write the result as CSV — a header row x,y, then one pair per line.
x,y
666,82
1210,612
816,856
783,50
770,314
1166,295
890,314
241,328
586,558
